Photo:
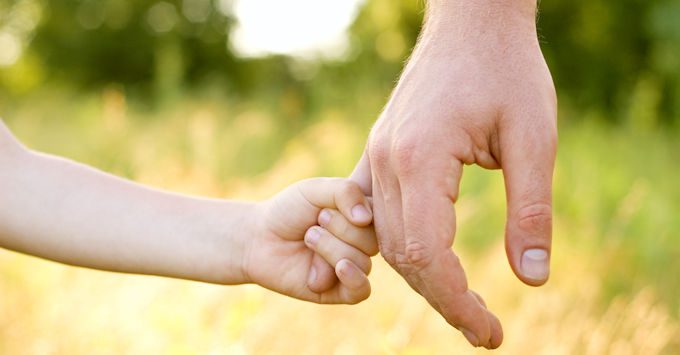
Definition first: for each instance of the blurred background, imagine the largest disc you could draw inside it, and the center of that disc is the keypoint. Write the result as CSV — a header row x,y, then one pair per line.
x,y
239,98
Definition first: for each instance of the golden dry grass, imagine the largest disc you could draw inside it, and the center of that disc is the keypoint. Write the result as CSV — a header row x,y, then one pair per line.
x,y
46,308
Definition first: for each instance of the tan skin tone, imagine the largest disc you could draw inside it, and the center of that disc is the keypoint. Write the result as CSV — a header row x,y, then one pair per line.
x,y
475,91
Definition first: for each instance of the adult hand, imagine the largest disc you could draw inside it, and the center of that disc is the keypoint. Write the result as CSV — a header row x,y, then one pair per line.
x,y
476,91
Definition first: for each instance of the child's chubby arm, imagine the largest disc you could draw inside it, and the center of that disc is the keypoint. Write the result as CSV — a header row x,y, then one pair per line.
x,y
307,227
71,213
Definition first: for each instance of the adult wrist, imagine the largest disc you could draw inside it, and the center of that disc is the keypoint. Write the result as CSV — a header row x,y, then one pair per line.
x,y
524,8
466,16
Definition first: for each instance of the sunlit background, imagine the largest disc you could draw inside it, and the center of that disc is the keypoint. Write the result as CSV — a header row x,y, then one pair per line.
x,y
239,98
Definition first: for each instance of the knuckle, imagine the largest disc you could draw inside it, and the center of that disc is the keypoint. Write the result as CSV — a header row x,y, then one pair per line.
x,y
339,226
378,149
536,218
390,258
405,153
348,188
418,255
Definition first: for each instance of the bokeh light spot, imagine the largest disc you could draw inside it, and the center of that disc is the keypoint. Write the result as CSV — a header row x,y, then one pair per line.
x,y
296,27
196,10
162,17
10,49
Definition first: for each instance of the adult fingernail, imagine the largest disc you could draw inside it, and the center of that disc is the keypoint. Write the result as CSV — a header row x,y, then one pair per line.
x,y
360,213
534,264
324,217
312,276
470,336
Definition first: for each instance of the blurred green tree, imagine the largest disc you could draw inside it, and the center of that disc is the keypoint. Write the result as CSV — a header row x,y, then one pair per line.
x,y
620,60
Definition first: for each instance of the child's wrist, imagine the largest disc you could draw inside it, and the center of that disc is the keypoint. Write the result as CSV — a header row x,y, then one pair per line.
x,y
248,228
253,236
231,233
247,233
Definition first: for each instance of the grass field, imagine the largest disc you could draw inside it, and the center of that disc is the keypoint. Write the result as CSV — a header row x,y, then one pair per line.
x,y
614,288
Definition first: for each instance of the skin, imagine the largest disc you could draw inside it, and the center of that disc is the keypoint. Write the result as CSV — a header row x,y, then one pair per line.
x,y
305,203
67,212
475,91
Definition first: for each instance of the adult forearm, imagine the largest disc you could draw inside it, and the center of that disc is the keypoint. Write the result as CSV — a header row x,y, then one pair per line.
x,y
64,211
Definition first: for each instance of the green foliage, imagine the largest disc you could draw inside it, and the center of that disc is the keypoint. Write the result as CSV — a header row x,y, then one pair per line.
x,y
618,59
607,56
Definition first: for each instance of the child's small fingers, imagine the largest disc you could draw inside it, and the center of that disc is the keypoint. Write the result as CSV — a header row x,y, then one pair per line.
x,y
362,238
351,201
353,288
333,249
321,276
354,285
339,193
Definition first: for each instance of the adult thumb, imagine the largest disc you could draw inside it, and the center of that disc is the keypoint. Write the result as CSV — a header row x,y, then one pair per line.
x,y
528,159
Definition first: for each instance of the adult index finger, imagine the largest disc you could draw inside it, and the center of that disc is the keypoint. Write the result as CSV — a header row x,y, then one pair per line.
x,y
429,193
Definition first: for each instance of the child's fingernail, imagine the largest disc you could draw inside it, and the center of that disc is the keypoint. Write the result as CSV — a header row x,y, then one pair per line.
x,y
312,276
470,336
324,217
312,237
349,273
534,264
345,267
360,213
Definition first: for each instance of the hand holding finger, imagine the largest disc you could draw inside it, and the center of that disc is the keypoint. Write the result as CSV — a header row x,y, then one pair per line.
x,y
321,276
343,194
362,238
332,249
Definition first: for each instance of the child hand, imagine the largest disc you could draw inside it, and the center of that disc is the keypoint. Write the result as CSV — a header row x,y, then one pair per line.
x,y
289,251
